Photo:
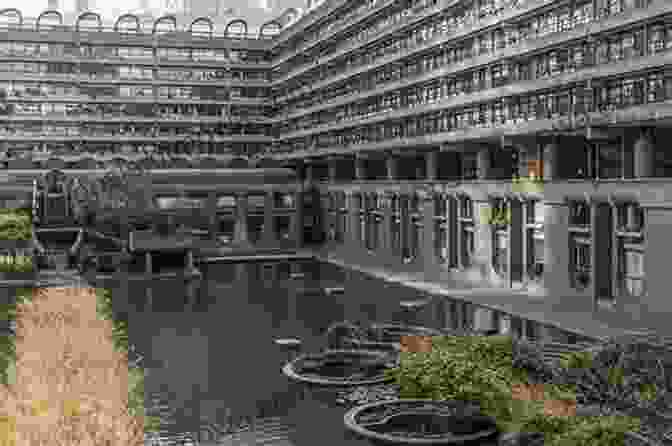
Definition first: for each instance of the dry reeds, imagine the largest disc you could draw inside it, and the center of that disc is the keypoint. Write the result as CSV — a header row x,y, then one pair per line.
x,y
71,385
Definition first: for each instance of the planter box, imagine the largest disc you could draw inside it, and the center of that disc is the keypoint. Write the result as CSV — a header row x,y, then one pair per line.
x,y
6,245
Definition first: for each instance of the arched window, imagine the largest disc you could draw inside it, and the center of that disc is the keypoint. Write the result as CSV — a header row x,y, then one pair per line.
x,y
269,29
202,27
53,17
171,26
236,28
289,16
10,18
92,21
125,19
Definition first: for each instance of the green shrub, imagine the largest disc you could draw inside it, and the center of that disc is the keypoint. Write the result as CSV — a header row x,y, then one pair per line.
x,y
15,225
16,264
484,370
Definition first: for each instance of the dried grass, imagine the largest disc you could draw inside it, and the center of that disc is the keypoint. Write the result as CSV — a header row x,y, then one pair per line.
x,y
71,385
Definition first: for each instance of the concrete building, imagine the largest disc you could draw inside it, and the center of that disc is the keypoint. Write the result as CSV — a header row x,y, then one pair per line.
x,y
516,146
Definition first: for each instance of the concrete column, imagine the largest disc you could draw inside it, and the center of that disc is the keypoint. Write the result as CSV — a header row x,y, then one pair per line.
x,y
515,252
240,231
391,164
483,319
360,169
453,238
269,236
310,177
432,165
482,261
212,214
551,161
504,324
644,156
333,170
189,260
556,278
387,226
483,163
148,263
297,219
353,220
427,250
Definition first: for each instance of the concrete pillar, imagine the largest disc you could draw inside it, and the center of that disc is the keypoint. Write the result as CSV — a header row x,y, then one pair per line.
x,y
483,163
269,235
504,324
427,250
212,215
556,278
310,177
644,156
482,260
360,169
432,165
189,260
391,164
240,231
551,161
387,226
353,220
333,170
297,219
148,263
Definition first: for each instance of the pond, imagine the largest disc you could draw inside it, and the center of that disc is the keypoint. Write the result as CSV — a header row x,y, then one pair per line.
x,y
210,354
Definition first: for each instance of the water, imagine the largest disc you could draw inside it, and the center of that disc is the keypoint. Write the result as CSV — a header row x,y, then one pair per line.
x,y
210,354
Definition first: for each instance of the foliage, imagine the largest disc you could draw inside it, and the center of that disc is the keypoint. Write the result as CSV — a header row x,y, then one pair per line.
x,y
16,264
7,343
624,374
485,370
15,224
136,375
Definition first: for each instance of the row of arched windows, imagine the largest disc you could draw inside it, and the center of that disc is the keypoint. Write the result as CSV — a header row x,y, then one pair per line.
x,y
234,28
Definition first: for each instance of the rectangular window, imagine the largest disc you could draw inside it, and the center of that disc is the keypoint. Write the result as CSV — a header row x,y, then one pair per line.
x,y
500,259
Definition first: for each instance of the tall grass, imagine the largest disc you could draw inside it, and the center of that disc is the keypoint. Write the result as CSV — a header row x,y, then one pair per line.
x,y
71,384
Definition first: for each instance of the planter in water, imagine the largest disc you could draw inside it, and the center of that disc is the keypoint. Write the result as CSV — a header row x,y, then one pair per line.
x,y
340,368
377,336
422,422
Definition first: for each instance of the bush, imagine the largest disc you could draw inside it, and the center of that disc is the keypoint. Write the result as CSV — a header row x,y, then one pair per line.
x,y
16,264
484,370
15,225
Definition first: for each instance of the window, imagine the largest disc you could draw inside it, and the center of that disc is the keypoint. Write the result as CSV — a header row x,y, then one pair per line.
x,y
630,246
534,233
466,223
581,262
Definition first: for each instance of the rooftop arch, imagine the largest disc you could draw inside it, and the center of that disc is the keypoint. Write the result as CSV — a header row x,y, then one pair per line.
x,y
202,20
87,15
270,23
240,22
124,18
9,11
47,13
169,17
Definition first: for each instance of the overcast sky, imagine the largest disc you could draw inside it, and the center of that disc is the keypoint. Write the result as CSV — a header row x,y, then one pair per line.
x,y
255,11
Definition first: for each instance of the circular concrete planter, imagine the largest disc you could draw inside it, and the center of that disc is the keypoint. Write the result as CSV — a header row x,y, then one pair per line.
x,y
422,422
386,336
340,368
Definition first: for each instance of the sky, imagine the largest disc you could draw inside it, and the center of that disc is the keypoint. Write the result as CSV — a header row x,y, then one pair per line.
x,y
256,11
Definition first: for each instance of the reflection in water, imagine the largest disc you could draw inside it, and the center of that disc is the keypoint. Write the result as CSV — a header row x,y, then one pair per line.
x,y
209,345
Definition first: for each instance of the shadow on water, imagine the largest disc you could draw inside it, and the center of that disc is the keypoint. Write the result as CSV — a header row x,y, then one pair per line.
x,y
209,350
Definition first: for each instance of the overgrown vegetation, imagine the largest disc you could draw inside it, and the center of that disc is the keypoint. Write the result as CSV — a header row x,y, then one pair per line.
x,y
136,375
487,369
68,393
15,224
16,264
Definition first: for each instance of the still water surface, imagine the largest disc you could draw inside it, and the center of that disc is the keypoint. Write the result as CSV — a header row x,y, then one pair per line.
x,y
212,355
